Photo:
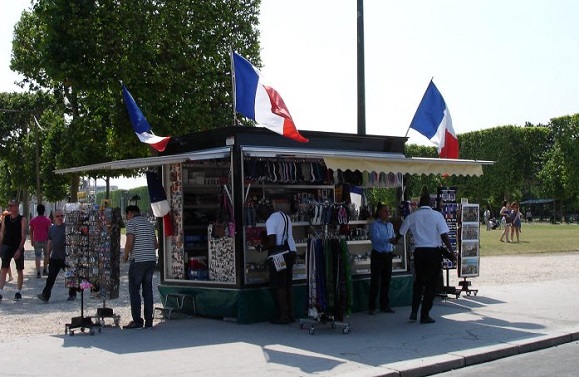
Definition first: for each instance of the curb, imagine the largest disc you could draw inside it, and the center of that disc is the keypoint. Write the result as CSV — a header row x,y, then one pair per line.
x,y
455,360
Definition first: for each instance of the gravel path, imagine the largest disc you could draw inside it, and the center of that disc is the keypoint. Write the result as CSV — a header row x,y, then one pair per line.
x,y
30,316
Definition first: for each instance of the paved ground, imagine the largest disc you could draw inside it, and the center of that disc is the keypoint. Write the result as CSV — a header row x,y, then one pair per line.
x,y
535,309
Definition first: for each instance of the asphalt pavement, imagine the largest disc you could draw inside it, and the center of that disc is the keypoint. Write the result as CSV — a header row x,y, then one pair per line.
x,y
501,321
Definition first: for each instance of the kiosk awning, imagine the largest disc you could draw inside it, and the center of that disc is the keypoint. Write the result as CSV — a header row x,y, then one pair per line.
x,y
378,162
145,162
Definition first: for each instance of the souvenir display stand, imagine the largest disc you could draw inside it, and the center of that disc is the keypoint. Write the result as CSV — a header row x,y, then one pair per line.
x,y
447,203
92,255
218,183
469,255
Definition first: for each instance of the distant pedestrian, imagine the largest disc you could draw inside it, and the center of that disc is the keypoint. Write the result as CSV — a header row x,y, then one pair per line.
x,y
505,215
515,221
487,218
140,251
39,226
12,239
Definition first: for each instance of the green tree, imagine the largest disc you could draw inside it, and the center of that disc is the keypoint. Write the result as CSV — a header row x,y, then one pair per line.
x,y
20,149
173,55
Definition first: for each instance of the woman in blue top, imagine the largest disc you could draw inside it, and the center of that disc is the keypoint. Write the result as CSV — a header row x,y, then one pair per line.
x,y
381,231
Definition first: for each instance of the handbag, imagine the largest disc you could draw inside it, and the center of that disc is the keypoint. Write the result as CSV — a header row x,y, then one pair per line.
x,y
225,224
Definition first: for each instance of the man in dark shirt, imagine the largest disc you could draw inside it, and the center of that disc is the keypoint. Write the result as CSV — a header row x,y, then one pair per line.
x,y
56,246
12,239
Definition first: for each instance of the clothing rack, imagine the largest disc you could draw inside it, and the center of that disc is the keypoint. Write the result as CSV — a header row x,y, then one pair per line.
x,y
329,284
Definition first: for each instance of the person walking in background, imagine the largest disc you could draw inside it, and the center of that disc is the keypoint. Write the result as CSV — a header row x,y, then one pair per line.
x,y
487,218
39,226
140,251
515,221
381,232
429,230
56,247
505,215
10,277
12,239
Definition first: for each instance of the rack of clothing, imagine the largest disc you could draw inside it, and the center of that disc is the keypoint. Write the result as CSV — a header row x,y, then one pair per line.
x,y
329,283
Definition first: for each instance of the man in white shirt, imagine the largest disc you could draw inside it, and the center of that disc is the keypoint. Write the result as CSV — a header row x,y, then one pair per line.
x,y
279,230
428,228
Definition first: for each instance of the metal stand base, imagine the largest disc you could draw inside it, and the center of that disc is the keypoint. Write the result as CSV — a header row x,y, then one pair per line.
x,y
324,319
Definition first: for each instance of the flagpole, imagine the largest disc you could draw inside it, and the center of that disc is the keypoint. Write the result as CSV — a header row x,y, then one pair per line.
x,y
432,78
233,86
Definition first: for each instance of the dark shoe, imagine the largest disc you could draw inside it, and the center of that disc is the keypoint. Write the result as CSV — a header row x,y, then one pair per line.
x,y
387,310
133,325
148,326
0,297
18,296
38,276
427,320
44,273
413,316
71,298
41,297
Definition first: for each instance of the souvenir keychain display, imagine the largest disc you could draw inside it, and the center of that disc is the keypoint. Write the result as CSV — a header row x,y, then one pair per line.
x,y
92,261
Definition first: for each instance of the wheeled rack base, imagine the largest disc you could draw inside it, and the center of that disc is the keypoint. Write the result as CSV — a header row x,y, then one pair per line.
x,y
82,323
312,322
464,287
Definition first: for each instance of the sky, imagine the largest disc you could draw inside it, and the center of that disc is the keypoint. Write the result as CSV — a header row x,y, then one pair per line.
x,y
495,62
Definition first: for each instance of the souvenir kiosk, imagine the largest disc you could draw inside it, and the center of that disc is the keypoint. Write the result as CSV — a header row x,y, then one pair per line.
x,y
218,180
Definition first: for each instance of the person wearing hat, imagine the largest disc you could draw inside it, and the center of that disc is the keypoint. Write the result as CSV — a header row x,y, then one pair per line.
x,y
429,230
12,239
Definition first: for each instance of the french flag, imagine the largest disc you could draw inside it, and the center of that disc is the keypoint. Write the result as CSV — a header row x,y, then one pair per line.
x,y
432,119
260,102
159,203
141,126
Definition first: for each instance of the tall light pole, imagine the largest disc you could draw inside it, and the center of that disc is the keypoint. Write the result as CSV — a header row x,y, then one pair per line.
x,y
361,71
37,155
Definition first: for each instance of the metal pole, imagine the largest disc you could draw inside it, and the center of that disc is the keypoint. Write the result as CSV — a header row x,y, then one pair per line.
x,y
361,72
37,156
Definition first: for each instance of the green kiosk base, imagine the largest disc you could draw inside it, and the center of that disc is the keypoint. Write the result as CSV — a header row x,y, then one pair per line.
x,y
251,305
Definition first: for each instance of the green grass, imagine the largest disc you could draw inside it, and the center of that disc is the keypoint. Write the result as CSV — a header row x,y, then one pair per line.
x,y
534,238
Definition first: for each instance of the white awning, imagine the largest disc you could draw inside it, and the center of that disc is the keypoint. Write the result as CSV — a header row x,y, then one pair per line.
x,y
410,165
377,162
145,162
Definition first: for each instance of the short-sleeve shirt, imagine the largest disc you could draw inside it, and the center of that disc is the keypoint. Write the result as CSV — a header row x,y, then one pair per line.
x,y
144,244
275,225
426,225
57,237
40,226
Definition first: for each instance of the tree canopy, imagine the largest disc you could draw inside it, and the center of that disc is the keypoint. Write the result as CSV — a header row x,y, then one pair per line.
x,y
173,55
